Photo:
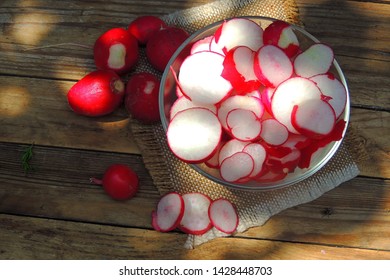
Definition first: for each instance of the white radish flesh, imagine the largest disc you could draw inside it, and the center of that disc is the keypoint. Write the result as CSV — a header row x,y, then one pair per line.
x,y
281,34
236,167
201,45
196,219
231,147
194,134
315,60
223,215
184,103
258,154
169,212
273,132
243,124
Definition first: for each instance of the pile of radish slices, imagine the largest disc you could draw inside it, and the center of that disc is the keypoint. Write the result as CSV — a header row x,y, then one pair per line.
x,y
254,104
194,213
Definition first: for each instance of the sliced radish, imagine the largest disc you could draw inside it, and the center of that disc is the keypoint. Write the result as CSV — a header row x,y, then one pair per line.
x,y
243,124
231,147
196,219
213,162
258,154
184,103
315,60
298,141
194,134
223,215
255,93
314,118
270,176
200,78
236,167
273,132
201,45
272,66
284,164
238,69
292,92
239,102
333,90
169,212
237,32
266,97
281,34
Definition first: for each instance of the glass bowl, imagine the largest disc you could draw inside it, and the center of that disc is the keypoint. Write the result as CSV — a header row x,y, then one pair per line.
x,y
167,97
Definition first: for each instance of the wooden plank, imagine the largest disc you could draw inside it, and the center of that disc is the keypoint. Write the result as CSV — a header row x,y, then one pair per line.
x,y
32,238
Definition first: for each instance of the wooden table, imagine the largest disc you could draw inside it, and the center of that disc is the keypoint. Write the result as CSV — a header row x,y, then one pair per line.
x,y
53,212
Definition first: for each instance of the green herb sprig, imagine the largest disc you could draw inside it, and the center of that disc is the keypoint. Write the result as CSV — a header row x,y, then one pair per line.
x,y
26,158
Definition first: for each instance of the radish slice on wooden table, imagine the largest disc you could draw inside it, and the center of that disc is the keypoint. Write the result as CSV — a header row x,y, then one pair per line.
x,y
259,155
314,118
223,215
169,212
273,132
272,66
236,167
315,60
243,124
237,32
194,134
200,78
196,219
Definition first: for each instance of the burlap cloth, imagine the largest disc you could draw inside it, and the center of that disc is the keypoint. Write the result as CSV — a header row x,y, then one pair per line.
x,y
254,208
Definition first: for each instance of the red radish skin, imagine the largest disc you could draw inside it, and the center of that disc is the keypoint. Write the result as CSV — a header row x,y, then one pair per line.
x,y
223,215
141,98
196,220
281,34
97,94
116,50
168,213
315,60
266,97
237,167
162,45
119,181
143,27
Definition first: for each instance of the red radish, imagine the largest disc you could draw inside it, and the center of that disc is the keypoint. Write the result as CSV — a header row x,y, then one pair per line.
x,y
333,90
116,50
201,45
314,118
281,34
273,132
236,167
169,212
238,69
291,92
194,134
119,181
143,27
223,215
272,66
200,78
184,103
237,32
196,219
97,94
315,60
162,45
231,147
243,124
141,99
259,155
239,102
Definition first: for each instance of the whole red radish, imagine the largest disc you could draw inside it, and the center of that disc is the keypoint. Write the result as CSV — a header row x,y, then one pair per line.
x,y
116,50
141,99
119,181
162,45
144,26
97,94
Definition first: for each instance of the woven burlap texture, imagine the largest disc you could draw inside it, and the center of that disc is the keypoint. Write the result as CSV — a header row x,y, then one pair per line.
x,y
170,174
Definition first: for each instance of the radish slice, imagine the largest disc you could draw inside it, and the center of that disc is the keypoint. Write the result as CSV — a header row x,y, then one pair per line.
x,y
284,164
315,60
169,212
200,78
213,162
272,66
333,90
266,97
231,147
270,176
314,118
258,154
239,102
201,45
196,219
184,103
236,167
223,215
243,124
237,32
255,93
273,132
292,92
194,134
